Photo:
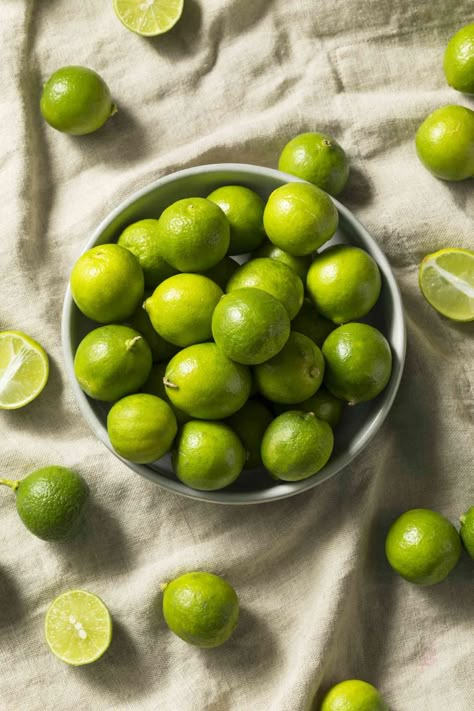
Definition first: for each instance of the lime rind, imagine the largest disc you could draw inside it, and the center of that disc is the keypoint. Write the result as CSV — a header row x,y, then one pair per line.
x,y
446,281
24,369
149,18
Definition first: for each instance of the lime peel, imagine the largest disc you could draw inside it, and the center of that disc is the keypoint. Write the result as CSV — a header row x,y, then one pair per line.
x,y
149,18
24,369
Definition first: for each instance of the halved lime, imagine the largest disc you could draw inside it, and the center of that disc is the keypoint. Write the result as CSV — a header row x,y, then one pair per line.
x,y
78,627
447,282
24,369
148,17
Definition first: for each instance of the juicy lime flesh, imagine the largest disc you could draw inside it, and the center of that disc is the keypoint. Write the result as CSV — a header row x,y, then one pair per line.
x,y
24,369
467,531
317,158
78,627
459,60
353,695
149,17
447,282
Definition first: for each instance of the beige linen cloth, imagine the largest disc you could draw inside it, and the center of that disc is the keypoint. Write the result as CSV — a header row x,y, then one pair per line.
x,y
233,82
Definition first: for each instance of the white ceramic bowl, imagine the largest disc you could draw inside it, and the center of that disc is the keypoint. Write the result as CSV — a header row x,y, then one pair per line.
x,y
359,424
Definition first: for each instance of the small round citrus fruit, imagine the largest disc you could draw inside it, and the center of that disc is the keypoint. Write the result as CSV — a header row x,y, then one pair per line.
x,y
353,695
312,324
160,349
222,271
467,531
324,405
250,424
244,210
154,385
445,143
317,158
142,239
459,60
300,265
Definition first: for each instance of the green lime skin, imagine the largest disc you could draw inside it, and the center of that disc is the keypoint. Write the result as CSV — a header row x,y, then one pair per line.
x,y
250,326
353,695
273,277
160,349
296,445
194,234
344,283
312,324
423,547
244,211
181,308
141,428
299,218
107,283
154,385
294,374
51,502
317,158
222,272
300,265
207,455
250,424
112,361
201,608
358,362
445,143
76,100
459,60
467,531
324,405
143,240
203,382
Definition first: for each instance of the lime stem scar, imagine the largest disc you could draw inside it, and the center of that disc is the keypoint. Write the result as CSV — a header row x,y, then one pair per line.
x,y
12,484
169,384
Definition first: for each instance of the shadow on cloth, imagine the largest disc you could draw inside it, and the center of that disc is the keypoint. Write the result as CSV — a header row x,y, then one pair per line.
x,y
184,37
12,607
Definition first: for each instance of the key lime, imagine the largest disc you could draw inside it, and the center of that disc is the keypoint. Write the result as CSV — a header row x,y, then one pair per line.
x,y
160,349
353,695
244,210
422,546
142,239
447,282
467,531
78,627
148,17
445,143
250,424
250,326
300,265
312,324
222,271
324,405
459,60
24,369
201,608
154,385
317,158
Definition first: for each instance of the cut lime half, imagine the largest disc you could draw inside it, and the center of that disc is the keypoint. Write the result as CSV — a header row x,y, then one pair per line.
x,y
148,17
447,282
24,369
78,627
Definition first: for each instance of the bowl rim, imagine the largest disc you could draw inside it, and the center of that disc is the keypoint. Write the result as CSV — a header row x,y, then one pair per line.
x,y
284,489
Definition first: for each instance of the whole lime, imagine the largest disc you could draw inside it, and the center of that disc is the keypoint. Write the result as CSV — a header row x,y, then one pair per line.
x,y
300,265
194,234
142,239
317,158
344,283
467,531
141,427
324,405
205,383
107,283
273,277
244,210
112,361
76,100
222,271
312,324
294,374
459,60
445,143
160,349
207,455
358,362
299,218
296,445
181,308
353,695
250,424
201,608
154,385
422,546
250,326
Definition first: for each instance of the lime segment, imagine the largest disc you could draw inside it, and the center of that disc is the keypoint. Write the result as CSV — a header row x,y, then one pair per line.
x,y
447,282
148,17
24,369
78,627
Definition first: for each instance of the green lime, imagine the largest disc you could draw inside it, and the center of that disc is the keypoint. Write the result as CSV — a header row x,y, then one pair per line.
x,y
207,455
107,283
143,240
203,382
112,361
317,158
300,265
250,326
141,428
324,405
24,369
273,277
250,423
467,531
422,546
312,324
160,349
76,100
148,17
358,362
446,281
222,271
299,218
445,143
296,445
459,60
353,695
50,502
78,627
194,234
344,283
201,608
244,210
154,385
181,308
294,374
